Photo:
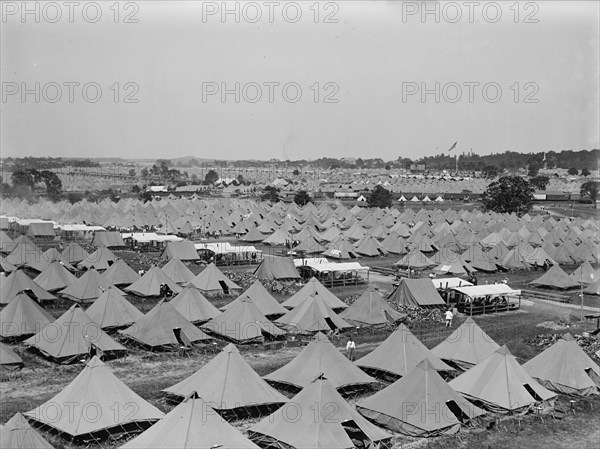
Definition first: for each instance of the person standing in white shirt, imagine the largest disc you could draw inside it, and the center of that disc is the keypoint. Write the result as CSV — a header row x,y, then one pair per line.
x,y
350,347
449,317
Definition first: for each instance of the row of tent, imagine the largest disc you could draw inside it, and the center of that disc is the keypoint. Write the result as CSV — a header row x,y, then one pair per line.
x,y
418,402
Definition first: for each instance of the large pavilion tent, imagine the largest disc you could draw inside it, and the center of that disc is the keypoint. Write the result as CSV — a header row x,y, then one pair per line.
x,y
150,284
311,316
314,288
466,346
500,385
416,292
320,357
211,281
262,299
17,433
314,428
192,424
398,355
23,317
74,335
230,385
565,368
194,307
158,329
18,282
112,310
243,323
372,310
97,388
429,406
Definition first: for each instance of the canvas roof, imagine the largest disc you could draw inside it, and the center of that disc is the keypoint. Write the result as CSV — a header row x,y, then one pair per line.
x,y
74,253
108,239
101,259
71,336
314,287
9,359
191,425
229,384
398,355
243,323
311,427
498,385
178,271
467,345
565,368
155,329
310,316
23,316
210,281
261,298
88,287
555,277
194,306
17,433
423,410
320,357
149,284
17,282
416,292
371,309
276,267
183,250
55,277
95,386
119,273
111,310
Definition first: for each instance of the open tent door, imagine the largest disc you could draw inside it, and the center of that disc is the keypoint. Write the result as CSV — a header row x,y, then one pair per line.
x,y
358,437
224,287
457,411
533,394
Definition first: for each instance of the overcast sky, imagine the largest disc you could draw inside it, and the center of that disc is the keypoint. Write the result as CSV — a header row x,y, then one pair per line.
x,y
370,66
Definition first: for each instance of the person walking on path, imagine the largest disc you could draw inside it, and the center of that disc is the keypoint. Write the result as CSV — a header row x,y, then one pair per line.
x,y
449,317
350,347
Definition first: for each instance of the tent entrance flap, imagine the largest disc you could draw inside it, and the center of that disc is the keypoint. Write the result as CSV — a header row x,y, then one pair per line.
x,y
457,411
224,287
532,393
358,437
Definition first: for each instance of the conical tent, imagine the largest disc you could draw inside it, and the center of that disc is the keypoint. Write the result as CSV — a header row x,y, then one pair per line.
x,y
194,306
370,247
317,417
150,284
243,323
468,345
24,253
415,260
211,281
398,355
593,288
72,336
23,317
88,287
18,282
157,329
178,271
262,299
555,277
74,253
6,267
112,311
55,277
585,274
499,384
314,287
429,406
416,292
17,433
565,368
276,267
96,388
312,315
193,424
371,309
230,386
120,273
320,357
9,359
101,259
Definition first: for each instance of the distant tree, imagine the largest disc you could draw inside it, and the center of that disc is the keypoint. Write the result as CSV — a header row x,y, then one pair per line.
x,y
135,189
585,172
211,177
296,172
240,178
6,189
53,184
359,163
146,196
164,162
540,182
573,171
490,171
194,178
387,167
144,173
509,194
589,189
132,172
73,197
533,168
302,198
271,194
380,197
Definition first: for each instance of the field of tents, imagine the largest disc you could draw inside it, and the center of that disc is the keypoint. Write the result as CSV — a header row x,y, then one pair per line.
x,y
223,323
